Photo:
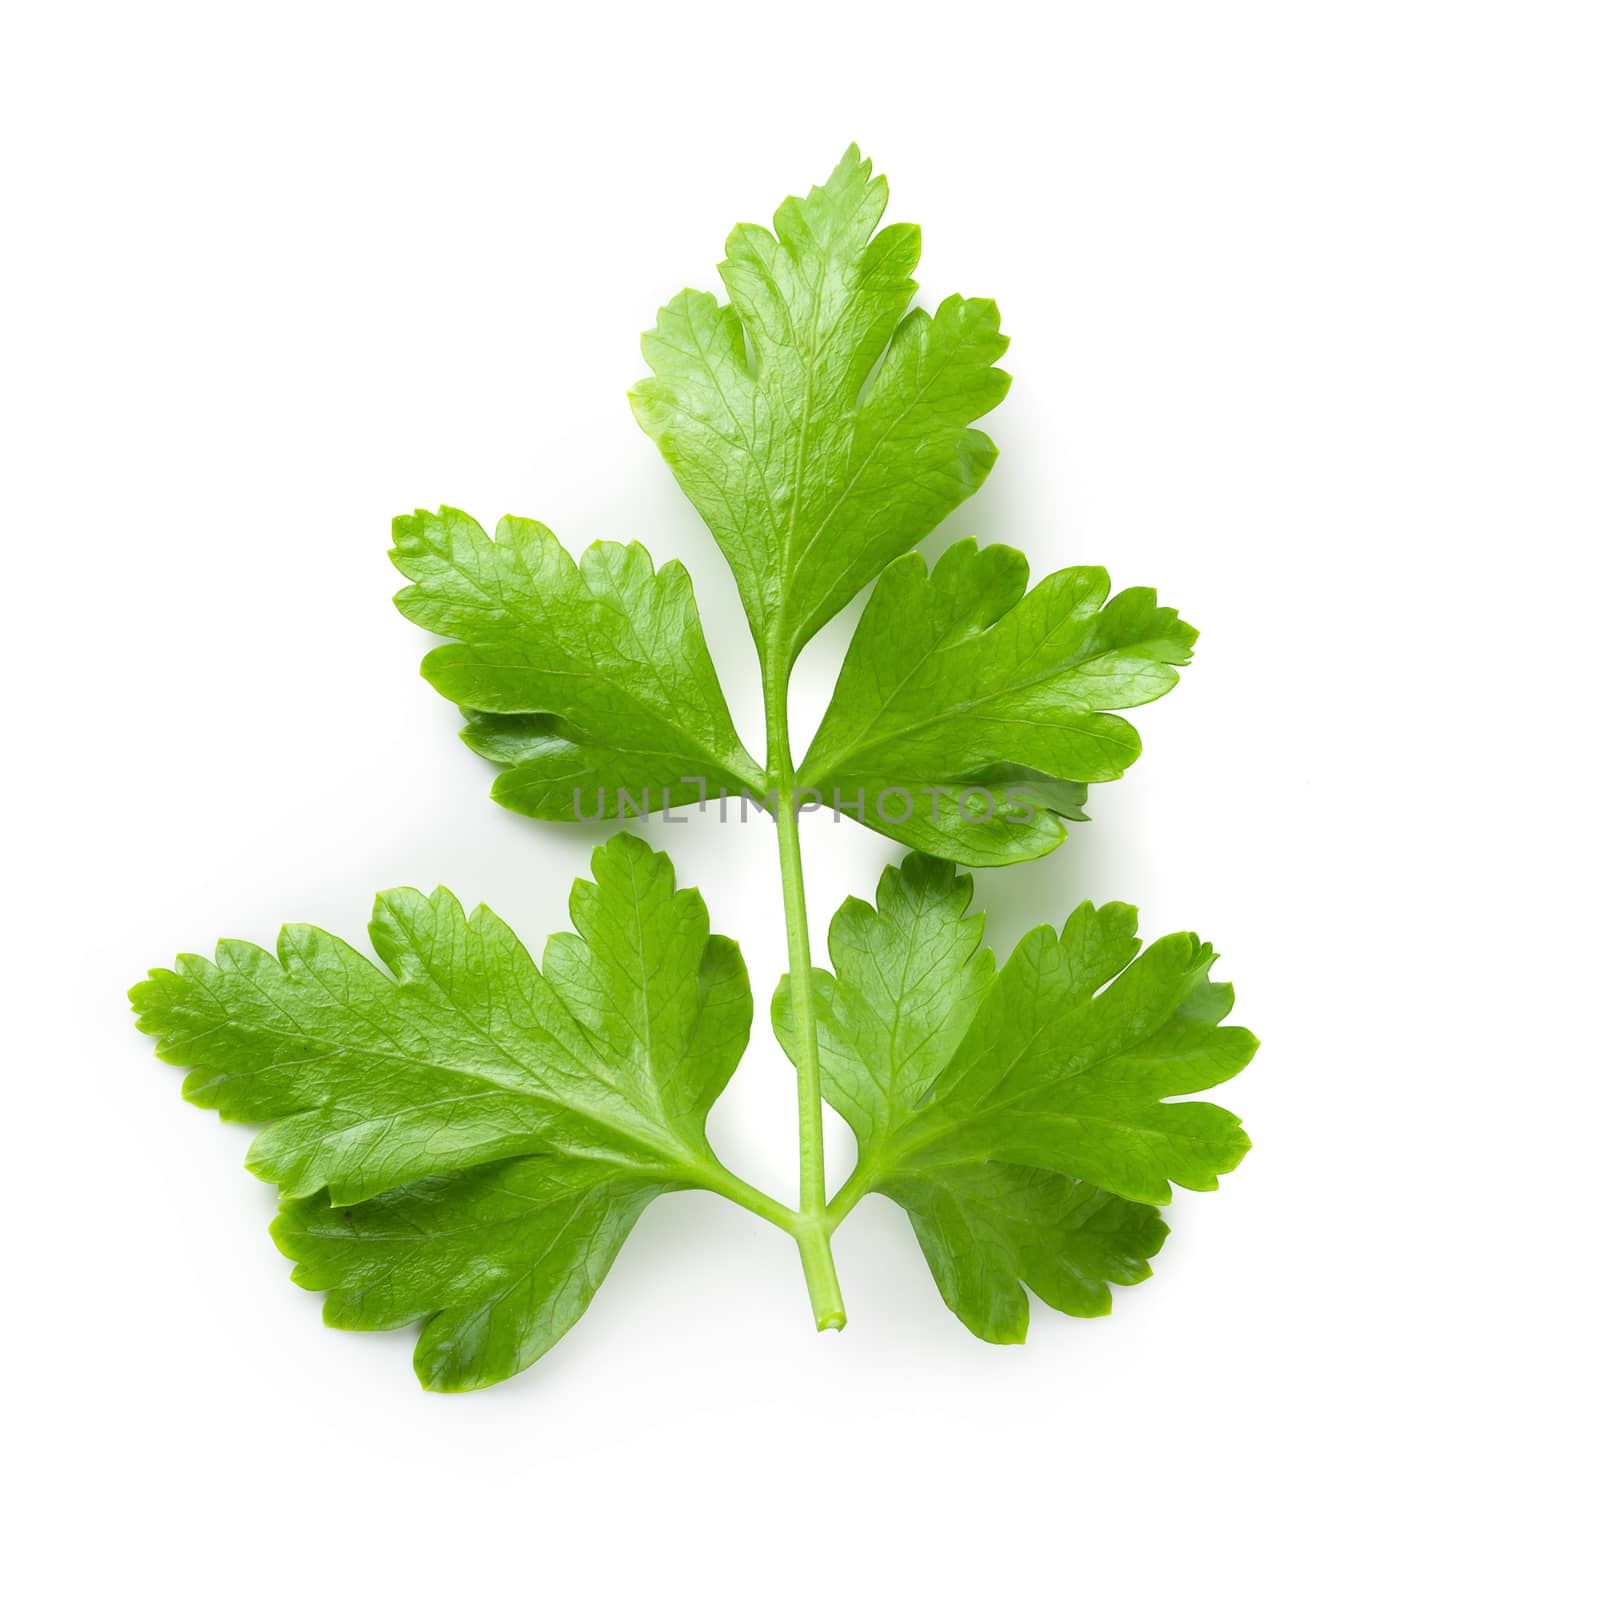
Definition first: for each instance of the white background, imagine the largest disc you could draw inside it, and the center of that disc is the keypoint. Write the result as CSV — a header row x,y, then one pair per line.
x,y
1303,308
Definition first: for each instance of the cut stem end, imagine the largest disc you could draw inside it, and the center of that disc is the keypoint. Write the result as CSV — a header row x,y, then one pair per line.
x,y
822,1282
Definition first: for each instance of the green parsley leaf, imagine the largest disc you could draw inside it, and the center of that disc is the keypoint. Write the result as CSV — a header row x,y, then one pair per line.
x,y
818,428
602,665
989,1227
1020,1116
966,698
496,1262
601,1067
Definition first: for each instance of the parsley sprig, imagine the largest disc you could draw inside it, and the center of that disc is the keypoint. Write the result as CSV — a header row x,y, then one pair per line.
x,y
464,1138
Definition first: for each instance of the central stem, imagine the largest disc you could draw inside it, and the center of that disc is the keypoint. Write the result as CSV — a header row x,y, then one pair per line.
x,y
812,1227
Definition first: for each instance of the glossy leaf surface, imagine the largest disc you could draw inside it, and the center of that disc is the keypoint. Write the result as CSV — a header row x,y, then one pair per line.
x,y
1021,1115
392,1099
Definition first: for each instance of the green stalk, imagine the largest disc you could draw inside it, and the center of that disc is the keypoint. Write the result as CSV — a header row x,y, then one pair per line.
x,y
811,1227
856,1189
718,1179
